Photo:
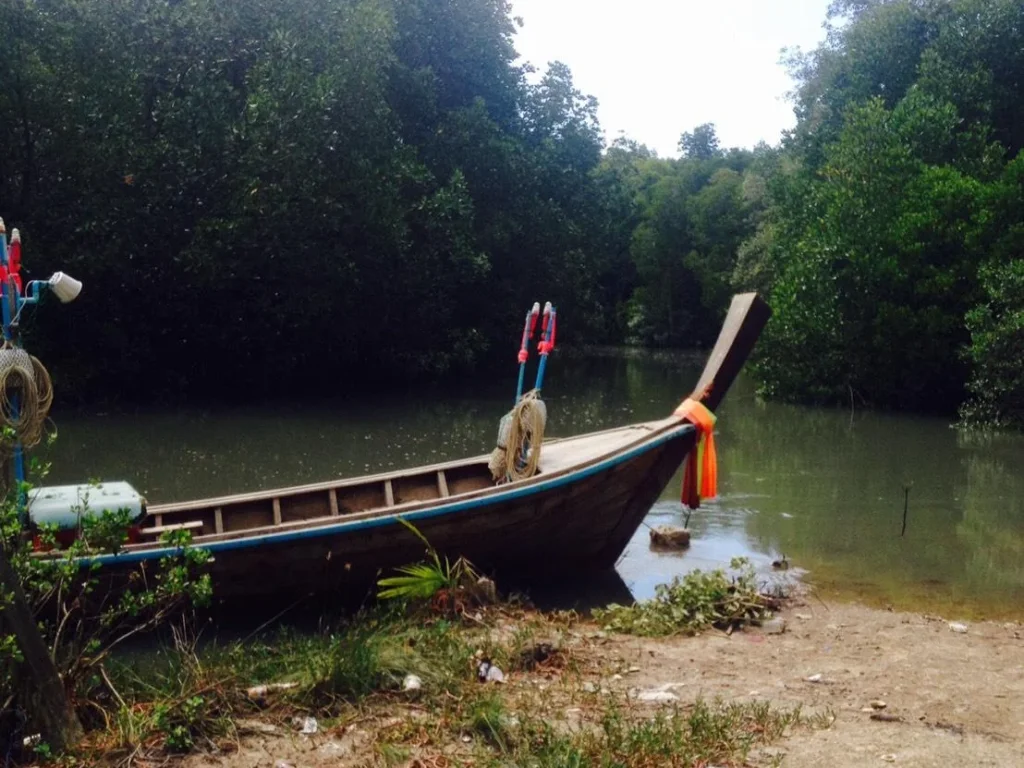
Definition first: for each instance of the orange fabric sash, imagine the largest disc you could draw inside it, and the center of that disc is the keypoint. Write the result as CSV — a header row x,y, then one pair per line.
x,y
700,479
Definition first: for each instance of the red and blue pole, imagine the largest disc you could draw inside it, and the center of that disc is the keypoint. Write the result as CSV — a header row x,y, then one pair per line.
x,y
547,343
524,350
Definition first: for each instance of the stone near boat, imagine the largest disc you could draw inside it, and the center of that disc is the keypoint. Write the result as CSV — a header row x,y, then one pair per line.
x,y
670,536
774,626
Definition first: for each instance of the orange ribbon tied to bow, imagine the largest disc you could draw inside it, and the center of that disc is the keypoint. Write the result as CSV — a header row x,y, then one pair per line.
x,y
700,478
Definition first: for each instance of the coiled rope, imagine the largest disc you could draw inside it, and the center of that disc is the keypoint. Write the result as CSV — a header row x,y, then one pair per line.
x,y
22,376
520,435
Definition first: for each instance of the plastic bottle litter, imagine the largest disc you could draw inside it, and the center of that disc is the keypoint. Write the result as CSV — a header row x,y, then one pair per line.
x,y
412,683
489,673
306,725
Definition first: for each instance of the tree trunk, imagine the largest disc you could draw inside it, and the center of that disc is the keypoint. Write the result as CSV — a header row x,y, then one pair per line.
x,y
47,701
41,690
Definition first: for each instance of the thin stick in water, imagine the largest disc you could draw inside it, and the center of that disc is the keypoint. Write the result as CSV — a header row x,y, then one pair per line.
x,y
906,505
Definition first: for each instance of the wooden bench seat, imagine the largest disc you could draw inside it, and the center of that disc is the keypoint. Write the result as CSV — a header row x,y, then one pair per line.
x,y
158,530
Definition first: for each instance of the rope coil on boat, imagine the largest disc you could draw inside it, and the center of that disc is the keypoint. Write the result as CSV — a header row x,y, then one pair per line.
x,y
26,394
520,435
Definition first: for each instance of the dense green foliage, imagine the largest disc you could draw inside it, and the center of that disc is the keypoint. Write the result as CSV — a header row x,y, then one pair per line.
x,y
891,238
886,230
323,194
688,218
293,192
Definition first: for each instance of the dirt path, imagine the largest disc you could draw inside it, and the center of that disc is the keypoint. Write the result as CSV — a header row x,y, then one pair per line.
x,y
959,696
956,698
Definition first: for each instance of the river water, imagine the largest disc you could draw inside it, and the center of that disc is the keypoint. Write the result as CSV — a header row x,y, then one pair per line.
x,y
825,488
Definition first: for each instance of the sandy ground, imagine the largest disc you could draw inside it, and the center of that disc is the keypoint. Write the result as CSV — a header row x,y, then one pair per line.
x,y
955,698
959,696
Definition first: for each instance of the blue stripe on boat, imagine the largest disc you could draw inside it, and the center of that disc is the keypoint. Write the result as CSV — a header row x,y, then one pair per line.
x,y
376,522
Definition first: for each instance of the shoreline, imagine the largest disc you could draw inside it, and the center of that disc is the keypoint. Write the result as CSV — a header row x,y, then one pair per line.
x,y
950,697
833,585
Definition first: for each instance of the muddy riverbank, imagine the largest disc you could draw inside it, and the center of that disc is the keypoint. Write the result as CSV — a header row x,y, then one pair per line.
x,y
950,697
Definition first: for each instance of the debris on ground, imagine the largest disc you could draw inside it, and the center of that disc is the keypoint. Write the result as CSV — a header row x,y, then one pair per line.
x,y
538,653
886,717
412,683
489,673
259,693
307,725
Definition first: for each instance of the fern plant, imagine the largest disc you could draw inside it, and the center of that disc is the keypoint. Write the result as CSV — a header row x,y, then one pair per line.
x,y
428,579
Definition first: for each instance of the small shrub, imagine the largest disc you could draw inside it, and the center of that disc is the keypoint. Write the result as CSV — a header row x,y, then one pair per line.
x,y
180,722
692,603
451,588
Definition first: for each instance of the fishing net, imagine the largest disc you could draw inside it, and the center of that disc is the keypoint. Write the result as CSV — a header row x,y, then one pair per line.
x,y
26,394
520,435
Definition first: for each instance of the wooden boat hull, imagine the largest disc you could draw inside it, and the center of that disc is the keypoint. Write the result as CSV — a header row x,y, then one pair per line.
x,y
570,523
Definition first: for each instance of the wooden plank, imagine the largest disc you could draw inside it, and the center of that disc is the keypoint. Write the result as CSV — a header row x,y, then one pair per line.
x,y
277,510
442,484
389,493
218,520
332,495
159,520
191,525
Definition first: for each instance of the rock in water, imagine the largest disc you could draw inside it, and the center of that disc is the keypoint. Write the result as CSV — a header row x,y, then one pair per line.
x,y
670,536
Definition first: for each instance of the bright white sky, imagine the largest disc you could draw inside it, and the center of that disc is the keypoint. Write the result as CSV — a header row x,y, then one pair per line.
x,y
661,67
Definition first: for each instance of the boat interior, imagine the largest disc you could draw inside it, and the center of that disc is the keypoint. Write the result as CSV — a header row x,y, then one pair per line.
x,y
364,497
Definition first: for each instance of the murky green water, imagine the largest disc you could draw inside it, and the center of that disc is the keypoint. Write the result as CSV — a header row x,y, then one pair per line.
x,y
823,487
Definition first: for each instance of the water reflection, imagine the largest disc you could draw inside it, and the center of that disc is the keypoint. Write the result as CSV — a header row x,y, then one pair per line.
x,y
824,487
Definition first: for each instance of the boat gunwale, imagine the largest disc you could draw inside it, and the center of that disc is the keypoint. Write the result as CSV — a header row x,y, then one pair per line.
x,y
326,485
325,526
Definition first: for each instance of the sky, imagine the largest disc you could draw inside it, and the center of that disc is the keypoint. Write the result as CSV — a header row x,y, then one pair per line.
x,y
661,67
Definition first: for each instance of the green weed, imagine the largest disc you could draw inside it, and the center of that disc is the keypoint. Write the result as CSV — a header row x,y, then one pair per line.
x,y
692,603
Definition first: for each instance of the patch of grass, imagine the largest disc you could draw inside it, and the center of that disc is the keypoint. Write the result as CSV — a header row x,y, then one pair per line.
x,y
701,735
487,717
692,603
392,754
184,697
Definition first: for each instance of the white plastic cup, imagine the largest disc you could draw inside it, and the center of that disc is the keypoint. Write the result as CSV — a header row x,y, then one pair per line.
x,y
65,287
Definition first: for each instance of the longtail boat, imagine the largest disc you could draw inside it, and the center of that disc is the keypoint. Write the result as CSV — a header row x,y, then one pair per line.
x,y
576,514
